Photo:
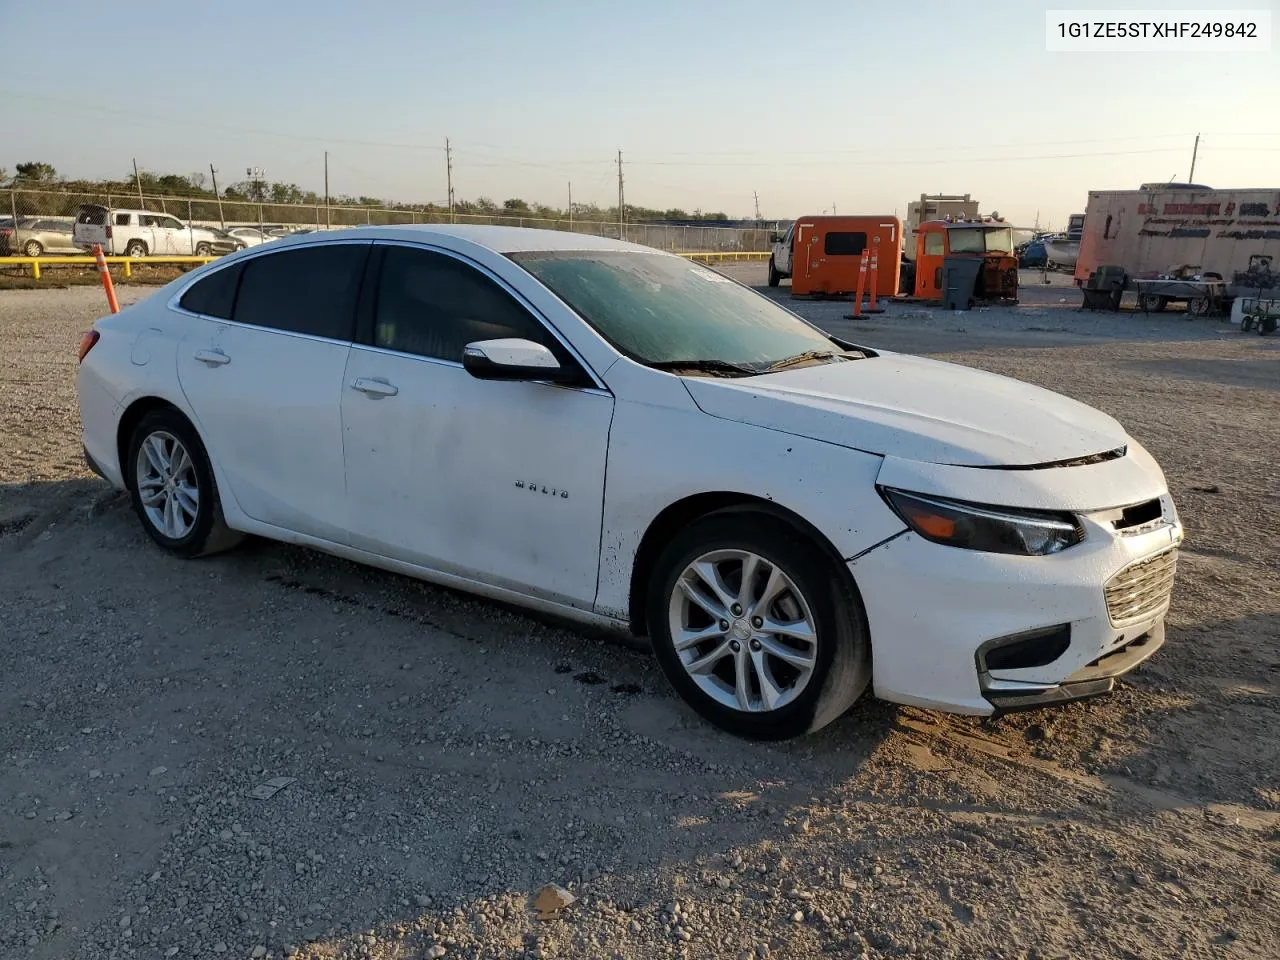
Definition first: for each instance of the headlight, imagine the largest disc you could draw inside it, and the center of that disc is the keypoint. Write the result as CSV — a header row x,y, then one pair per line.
x,y
972,526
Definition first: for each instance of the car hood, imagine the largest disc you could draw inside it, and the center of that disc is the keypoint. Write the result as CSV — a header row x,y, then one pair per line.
x,y
916,409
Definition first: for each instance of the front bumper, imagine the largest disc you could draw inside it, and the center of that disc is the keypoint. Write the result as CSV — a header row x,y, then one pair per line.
x,y
936,613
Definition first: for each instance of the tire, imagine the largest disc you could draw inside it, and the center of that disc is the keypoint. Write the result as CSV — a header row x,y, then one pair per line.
x,y
839,659
136,248
32,248
1266,326
204,250
1152,302
1199,307
774,276
196,532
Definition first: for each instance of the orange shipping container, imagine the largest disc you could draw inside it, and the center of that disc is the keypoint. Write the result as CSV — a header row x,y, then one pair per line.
x,y
828,252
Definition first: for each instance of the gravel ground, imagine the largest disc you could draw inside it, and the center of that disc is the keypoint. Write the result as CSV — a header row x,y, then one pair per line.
x,y
450,757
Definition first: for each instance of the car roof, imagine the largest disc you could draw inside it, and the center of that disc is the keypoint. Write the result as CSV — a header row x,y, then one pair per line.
x,y
495,238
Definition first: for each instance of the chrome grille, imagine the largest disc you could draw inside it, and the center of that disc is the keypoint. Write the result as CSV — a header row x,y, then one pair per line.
x,y
1141,588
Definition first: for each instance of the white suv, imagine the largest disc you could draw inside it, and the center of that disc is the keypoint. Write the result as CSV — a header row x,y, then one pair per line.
x,y
139,233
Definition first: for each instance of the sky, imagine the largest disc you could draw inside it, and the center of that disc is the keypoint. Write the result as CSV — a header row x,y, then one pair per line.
x,y
809,105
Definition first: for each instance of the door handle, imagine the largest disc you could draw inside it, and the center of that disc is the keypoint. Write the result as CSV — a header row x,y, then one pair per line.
x,y
214,358
374,388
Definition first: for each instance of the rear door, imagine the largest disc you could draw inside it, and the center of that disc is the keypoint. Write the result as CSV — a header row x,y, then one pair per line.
x,y
91,226
263,370
172,236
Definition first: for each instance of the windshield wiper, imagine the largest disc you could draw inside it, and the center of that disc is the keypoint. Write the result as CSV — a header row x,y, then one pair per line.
x,y
705,366
808,355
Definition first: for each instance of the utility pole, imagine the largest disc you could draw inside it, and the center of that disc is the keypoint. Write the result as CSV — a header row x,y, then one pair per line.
x,y
833,208
570,204
756,196
256,174
217,196
448,173
142,204
622,220
326,189
1191,177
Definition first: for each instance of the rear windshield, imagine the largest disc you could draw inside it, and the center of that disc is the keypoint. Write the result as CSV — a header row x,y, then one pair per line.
x,y
94,215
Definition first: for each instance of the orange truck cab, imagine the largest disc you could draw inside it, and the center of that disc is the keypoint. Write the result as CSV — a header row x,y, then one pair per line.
x,y
979,249
827,254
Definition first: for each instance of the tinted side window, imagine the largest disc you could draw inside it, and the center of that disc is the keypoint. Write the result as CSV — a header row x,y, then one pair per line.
x,y
122,219
844,244
215,295
432,305
312,291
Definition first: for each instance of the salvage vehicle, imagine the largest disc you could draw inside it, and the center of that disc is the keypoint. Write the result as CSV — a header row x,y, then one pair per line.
x,y
615,434
963,261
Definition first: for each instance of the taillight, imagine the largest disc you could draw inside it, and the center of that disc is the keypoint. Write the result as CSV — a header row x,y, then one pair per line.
x,y
108,231
86,343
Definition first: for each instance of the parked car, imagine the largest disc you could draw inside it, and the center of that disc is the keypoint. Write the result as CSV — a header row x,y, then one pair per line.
x,y
225,242
36,236
609,432
1032,254
249,236
139,233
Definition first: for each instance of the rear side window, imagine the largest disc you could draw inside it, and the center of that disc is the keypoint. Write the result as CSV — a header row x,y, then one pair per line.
x,y
214,295
844,244
311,291
122,219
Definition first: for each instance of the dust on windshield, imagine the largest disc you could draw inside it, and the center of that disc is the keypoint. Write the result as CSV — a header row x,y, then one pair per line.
x,y
660,309
980,239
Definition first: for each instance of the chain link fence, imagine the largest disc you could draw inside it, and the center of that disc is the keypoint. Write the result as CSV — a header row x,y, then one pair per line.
x,y
24,205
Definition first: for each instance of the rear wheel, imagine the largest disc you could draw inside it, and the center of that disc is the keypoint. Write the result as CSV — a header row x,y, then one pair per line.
x,y
1200,307
774,276
1152,302
755,628
33,248
136,248
172,487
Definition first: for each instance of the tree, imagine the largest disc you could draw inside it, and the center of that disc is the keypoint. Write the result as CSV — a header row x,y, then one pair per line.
x,y
515,206
41,172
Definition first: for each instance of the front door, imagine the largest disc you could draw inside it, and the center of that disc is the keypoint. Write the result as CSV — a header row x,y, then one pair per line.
x,y
265,384
495,481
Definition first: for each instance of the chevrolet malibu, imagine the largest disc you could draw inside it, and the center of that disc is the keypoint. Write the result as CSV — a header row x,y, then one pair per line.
x,y
603,431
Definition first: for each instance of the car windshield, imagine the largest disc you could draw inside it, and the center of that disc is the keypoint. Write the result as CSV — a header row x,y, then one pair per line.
x,y
660,309
980,239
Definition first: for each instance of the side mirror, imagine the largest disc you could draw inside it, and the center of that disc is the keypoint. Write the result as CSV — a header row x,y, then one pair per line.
x,y
514,359
775,237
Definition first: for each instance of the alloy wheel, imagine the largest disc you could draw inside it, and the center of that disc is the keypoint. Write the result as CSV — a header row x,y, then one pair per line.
x,y
167,485
743,631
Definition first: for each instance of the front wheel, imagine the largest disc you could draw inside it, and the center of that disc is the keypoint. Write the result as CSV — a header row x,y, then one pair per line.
x,y
774,276
204,250
757,630
172,487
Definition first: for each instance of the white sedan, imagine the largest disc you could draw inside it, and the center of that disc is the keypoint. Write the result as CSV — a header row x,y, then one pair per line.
x,y
615,434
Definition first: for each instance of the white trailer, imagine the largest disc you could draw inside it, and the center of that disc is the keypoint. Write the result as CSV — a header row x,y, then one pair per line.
x,y
1184,231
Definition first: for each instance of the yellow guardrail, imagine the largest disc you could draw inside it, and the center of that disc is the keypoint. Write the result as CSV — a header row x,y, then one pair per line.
x,y
35,262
